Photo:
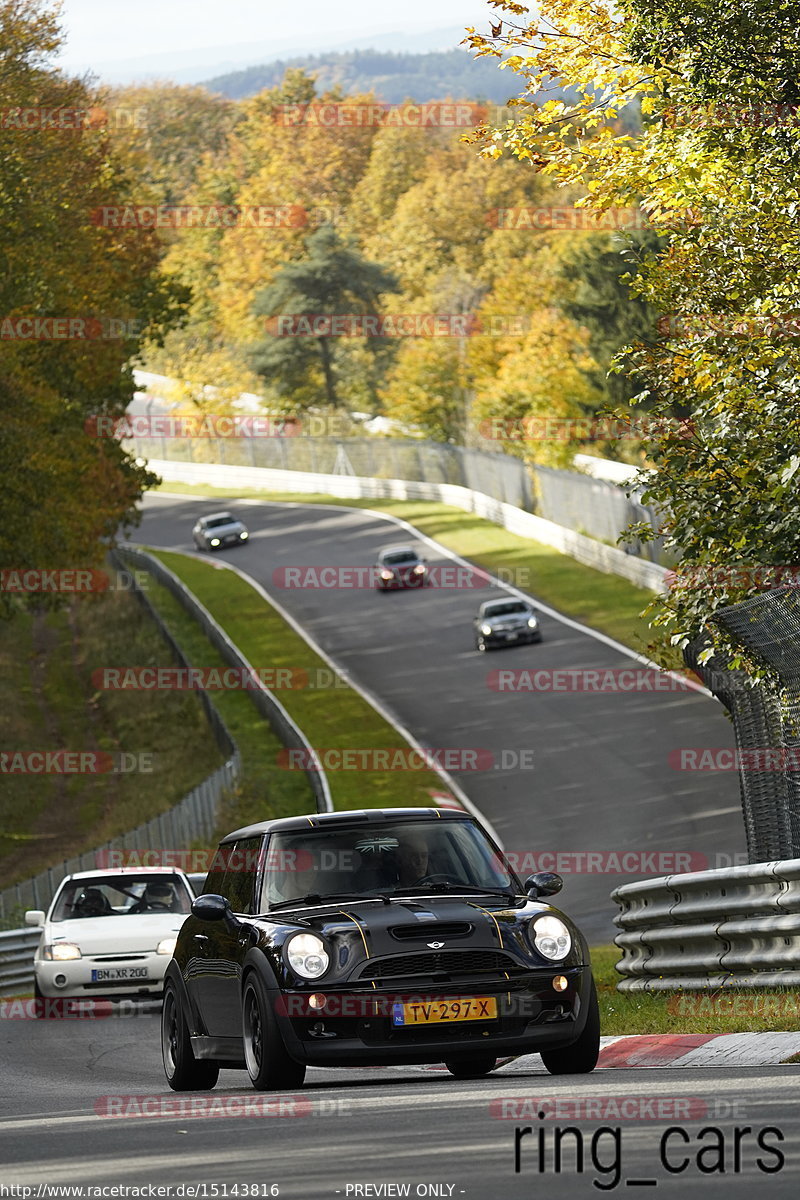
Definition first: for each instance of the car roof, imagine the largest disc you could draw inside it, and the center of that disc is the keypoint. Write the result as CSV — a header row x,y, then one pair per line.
x,y
109,871
371,816
215,516
394,549
508,600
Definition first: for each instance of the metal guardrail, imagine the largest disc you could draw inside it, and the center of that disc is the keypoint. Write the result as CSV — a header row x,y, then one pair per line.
x,y
17,948
265,701
736,927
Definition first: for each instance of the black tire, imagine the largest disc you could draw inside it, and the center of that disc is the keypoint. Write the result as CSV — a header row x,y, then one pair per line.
x,y
268,1064
184,1072
472,1068
581,1057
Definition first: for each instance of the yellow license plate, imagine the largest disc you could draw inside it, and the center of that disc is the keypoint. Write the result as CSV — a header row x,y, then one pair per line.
x,y
443,1012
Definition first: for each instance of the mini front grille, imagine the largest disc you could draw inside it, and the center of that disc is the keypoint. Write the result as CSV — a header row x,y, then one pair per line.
x,y
453,963
439,931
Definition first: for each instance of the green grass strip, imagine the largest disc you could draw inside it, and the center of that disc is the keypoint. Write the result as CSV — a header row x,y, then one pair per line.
x,y
331,717
604,602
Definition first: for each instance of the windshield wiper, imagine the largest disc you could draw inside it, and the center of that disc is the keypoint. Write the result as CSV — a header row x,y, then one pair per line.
x,y
316,898
428,888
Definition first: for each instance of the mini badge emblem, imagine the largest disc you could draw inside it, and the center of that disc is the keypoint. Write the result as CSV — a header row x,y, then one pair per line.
x,y
435,945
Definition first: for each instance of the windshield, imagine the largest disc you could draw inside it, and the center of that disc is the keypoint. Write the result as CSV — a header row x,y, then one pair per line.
x,y
505,610
396,858
225,519
121,895
400,556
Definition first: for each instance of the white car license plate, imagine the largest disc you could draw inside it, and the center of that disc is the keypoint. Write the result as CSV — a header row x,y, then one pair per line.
x,y
108,974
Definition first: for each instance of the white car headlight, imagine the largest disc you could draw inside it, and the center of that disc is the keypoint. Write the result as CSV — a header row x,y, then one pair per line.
x,y
61,951
307,955
551,938
387,575
532,622
244,535
215,541
166,946
486,630
419,569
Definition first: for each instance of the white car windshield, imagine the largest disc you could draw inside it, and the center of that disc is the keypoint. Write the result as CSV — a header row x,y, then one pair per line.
x,y
114,896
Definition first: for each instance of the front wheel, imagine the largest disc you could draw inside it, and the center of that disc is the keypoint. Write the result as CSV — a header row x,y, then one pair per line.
x,y
184,1072
472,1068
581,1056
269,1066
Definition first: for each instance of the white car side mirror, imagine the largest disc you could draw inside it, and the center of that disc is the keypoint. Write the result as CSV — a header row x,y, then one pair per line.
x,y
34,916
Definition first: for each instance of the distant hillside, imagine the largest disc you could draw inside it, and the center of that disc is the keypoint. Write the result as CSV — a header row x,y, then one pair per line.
x,y
393,77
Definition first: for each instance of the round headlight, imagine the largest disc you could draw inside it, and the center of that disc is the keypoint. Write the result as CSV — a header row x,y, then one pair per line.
x,y
215,541
551,938
166,946
244,535
61,951
532,622
307,955
419,569
486,630
387,575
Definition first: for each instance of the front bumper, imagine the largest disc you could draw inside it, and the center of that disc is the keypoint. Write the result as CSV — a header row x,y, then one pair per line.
x,y
360,1030
517,637
145,976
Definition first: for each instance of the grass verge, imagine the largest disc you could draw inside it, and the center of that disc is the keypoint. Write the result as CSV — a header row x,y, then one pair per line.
x,y
331,717
604,602
50,701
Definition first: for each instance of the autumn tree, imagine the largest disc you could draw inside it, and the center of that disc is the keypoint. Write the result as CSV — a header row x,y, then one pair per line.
x,y
716,168
94,293
333,279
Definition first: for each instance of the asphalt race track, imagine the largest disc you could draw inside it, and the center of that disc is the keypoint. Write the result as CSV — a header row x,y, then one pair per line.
x,y
395,1127
84,1102
601,778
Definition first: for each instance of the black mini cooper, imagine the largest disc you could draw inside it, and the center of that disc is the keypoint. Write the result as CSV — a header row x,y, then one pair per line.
x,y
370,939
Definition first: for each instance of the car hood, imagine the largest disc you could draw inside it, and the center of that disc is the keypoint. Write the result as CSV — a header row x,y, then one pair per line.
x,y
410,925
124,934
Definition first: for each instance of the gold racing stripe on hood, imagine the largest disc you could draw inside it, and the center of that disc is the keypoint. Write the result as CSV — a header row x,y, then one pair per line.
x,y
486,912
358,927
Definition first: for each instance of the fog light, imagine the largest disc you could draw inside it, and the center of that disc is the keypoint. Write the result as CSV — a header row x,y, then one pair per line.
x,y
560,983
60,980
317,1000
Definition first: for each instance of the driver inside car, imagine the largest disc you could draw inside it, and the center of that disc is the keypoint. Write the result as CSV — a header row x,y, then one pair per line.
x,y
412,860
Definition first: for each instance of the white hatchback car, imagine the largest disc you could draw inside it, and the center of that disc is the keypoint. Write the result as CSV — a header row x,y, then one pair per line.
x,y
110,933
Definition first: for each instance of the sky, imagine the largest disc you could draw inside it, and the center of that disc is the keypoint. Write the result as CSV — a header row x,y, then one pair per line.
x,y
101,32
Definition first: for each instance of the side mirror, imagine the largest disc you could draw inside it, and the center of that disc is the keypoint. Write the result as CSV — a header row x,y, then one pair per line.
x,y
211,908
34,916
545,883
